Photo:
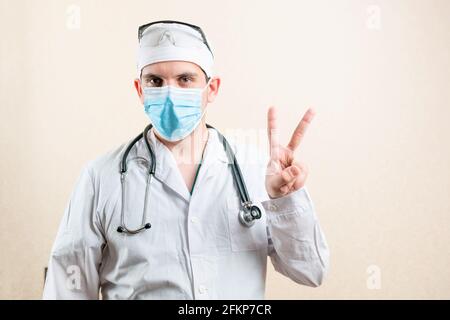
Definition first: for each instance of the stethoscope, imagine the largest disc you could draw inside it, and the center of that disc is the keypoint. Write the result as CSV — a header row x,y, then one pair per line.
x,y
247,215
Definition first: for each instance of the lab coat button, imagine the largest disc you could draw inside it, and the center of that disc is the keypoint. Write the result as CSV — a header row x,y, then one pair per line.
x,y
273,207
194,219
202,289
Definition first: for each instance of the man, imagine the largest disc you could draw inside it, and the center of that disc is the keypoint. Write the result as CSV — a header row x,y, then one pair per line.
x,y
176,231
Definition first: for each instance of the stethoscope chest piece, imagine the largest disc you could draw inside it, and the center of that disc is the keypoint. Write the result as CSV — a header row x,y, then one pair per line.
x,y
247,217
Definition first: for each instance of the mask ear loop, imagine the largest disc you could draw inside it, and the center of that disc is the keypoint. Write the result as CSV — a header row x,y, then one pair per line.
x,y
208,83
205,87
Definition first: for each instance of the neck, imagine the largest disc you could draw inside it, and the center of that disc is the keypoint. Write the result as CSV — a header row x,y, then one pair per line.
x,y
190,149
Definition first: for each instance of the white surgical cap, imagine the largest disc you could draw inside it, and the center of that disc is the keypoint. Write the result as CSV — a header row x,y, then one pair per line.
x,y
173,41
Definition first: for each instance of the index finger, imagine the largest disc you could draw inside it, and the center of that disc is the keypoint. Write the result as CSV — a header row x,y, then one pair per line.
x,y
299,132
272,131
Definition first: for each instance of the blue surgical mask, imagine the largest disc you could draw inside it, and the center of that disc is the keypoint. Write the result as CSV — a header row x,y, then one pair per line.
x,y
174,112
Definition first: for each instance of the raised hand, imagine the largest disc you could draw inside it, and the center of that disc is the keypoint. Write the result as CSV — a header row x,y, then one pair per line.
x,y
284,173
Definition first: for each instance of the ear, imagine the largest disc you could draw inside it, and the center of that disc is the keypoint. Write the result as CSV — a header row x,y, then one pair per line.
x,y
214,86
137,85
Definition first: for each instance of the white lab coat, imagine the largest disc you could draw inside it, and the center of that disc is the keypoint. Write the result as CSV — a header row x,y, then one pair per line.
x,y
196,247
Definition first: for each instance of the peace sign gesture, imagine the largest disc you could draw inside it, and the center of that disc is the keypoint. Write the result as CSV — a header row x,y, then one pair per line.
x,y
284,174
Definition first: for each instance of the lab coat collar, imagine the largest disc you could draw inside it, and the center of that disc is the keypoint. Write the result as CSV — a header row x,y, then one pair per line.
x,y
213,158
166,167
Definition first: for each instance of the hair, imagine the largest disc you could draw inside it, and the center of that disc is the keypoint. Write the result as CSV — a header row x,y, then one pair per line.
x,y
206,76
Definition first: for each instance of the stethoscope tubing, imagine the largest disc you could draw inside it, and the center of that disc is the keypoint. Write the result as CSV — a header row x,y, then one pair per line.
x,y
247,217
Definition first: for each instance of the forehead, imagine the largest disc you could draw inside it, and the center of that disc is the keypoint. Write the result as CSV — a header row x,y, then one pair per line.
x,y
171,68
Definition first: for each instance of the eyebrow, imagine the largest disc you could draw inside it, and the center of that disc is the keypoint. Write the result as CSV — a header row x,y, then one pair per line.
x,y
187,74
151,75
184,74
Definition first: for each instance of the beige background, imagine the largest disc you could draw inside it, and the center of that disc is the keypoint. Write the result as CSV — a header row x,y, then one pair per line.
x,y
377,72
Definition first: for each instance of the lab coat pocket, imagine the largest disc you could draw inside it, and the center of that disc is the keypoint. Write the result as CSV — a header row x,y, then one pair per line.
x,y
244,238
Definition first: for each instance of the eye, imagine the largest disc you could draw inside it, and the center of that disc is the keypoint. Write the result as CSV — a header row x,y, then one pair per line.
x,y
185,80
153,82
